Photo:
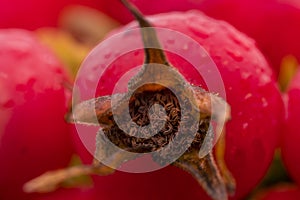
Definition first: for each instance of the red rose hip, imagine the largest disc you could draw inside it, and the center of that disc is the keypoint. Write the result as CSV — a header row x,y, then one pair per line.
x,y
34,136
257,108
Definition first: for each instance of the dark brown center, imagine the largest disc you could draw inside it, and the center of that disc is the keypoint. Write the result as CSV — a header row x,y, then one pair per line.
x,y
165,120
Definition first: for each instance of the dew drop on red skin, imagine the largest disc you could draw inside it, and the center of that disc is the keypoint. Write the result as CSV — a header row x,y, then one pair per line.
x,y
235,55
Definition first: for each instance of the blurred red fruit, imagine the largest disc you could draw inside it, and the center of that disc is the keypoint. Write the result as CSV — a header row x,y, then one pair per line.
x,y
33,14
34,136
291,134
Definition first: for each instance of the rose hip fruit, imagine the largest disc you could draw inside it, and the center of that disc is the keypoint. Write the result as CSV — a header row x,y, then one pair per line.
x,y
257,108
34,136
290,134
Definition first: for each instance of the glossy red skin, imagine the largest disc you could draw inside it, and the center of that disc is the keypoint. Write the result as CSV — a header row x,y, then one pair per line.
x,y
34,136
33,14
257,107
280,192
291,136
273,24
167,183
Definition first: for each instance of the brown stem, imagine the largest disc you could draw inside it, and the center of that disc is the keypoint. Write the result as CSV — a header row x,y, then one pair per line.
x,y
153,50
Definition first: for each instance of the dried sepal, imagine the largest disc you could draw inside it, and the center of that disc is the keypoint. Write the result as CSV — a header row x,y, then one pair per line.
x,y
226,174
204,170
94,111
98,111
52,180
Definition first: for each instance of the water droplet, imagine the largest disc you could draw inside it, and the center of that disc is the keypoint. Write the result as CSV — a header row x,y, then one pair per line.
x,y
225,62
264,102
240,40
245,75
236,55
245,125
185,47
248,96
202,34
264,79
